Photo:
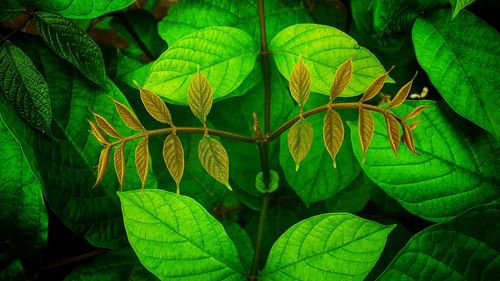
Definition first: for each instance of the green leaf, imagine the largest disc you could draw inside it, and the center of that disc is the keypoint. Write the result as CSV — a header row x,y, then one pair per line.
x,y
12,271
198,247
465,248
22,210
191,15
393,16
25,88
451,173
323,49
327,247
462,58
225,54
119,264
458,5
72,44
316,179
7,14
242,242
353,198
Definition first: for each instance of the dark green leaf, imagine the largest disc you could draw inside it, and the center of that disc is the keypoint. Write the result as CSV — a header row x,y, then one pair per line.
x,y
458,5
242,242
353,198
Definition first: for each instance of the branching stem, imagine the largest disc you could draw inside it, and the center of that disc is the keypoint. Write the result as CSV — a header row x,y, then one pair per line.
x,y
30,14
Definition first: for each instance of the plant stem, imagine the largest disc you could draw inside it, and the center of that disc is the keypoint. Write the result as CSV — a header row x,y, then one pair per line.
x,y
30,14
260,232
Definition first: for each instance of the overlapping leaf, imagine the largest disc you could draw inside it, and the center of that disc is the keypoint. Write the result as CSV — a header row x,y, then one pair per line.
x,y
156,107
365,129
375,87
458,5
142,160
119,162
173,154
128,117
300,138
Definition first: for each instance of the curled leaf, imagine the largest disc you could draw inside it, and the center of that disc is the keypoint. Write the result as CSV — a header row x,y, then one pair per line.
x,y
173,154
415,112
102,166
97,133
106,126
408,138
365,129
119,161
402,94
342,78
392,132
142,160
214,159
375,86
200,96
333,133
128,117
156,107
300,138
300,83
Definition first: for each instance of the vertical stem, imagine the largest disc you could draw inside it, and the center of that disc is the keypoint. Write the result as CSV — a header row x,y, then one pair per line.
x,y
260,232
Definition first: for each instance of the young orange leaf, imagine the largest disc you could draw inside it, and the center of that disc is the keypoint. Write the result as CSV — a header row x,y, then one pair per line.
x,y
300,138
106,126
97,133
393,132
102,166
342,78
214,159
300,83
402,94
156,107
128,117
333,133
408,138
415,112
173,154
200,96
365,129
375,86
119,160
142,160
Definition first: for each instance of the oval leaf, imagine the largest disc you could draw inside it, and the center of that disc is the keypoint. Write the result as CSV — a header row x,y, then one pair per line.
x,y
393,132
173,154
119,161
128,117
300,138
106,126
227,55
71,43
458,5
102,166
156,107
142,160
24,86
200,96
343,77
365,129
198,247
333,133
323,49
213,158
300,83
375,86
400,97
349,248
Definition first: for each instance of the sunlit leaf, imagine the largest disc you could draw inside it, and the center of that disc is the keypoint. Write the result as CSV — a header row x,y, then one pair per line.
x,y
102,166
156,107
213,158
173,154
415,112
393,132
106,126
342,78
365,129
300,137
128,117
300,83
142,160
333,133
119,161
200,96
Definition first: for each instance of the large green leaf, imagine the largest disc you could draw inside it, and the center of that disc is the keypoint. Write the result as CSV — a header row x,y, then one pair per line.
x,y
191,15
452,172
177,239
23,217
119,264
327,247
316,179
68,164
458,5
225,55
323,49
25,88
466,248
242,242
462,58
72,44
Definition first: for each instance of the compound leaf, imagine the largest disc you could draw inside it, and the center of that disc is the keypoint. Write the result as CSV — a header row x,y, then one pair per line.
x,y
393,132
156,107
119,161
300,138
24,86
102,165
198,247
71,43
343,76
213,158
333,133
400,97
327,247
97,133
227,55
200,96
106,126
173,154
128,117
375,87
415,112
300,83
365,129
142,160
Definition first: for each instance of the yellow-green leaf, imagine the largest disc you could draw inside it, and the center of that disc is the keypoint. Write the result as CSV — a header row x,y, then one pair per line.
x,y
300,83
333,133
214,159
375,86
173,154
102,166
142,160
128,117
97,133
300,138
156,107
402,94
200,96
342,78
393,132
119,160
106,126
365,129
